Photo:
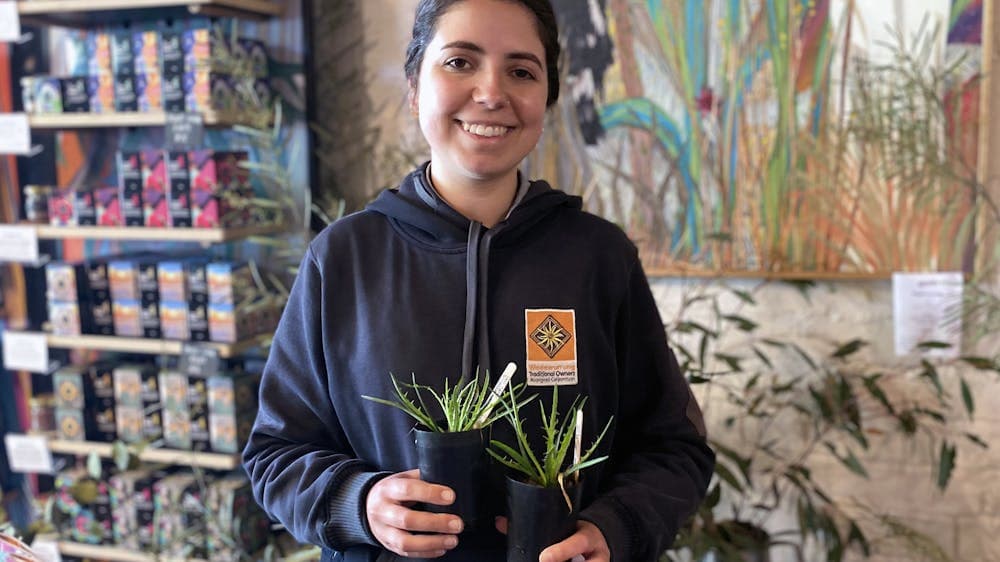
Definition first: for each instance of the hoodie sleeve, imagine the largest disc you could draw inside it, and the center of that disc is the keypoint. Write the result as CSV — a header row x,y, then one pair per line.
x,y
660,463
302,469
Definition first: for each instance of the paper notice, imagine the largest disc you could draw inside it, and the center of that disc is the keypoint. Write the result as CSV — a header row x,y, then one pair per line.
x,y
927,308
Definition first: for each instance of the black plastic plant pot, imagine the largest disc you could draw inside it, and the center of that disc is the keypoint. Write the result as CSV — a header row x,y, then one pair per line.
x,y
456,460
538,518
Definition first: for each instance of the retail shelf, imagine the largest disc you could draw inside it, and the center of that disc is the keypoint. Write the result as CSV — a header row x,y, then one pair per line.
x,y
143,345
124,119
140,233
212,461
111,553
79,13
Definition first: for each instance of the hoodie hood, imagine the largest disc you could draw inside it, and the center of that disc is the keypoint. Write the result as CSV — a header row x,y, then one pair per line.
x,y
416,209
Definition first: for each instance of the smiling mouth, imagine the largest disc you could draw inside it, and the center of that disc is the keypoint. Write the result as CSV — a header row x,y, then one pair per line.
x,y
489,131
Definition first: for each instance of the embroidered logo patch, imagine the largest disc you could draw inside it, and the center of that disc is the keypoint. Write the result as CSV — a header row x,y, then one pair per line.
x,y
550,336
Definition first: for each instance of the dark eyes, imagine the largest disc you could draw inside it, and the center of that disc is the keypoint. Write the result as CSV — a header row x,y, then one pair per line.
x,y
459,63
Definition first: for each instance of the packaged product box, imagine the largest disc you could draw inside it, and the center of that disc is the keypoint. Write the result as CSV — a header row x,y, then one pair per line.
x,y
101,92
70,424
208,90
232,406
172,50
99,53
107,206
197,45
122,52
254,52
130,184
68,386
123,278
154,189
75,97
201,437
171,276
100,420
62,207
128,420
127,318
149,92
65,318
47,95
174,320
146,51
126,93
219,186
149,317
84,207
72,51
61,282
179,188
28,93
99,317
132,506
198,325
168,501
230,282
174,100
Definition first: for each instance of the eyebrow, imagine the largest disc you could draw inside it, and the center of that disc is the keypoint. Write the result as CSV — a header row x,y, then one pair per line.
x,y
470,46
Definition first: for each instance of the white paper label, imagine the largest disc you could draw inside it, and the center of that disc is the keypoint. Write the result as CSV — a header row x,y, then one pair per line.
x,y
15,133
10,22
46,550
18,244
25,352
28,453
927,307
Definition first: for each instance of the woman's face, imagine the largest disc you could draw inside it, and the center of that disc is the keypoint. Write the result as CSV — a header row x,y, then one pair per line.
x,y
481,91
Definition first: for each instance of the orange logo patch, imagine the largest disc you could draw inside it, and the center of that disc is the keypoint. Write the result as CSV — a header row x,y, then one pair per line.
x,y
550,337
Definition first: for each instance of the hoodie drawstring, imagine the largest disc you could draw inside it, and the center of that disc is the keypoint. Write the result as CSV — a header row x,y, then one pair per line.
x,y
471,296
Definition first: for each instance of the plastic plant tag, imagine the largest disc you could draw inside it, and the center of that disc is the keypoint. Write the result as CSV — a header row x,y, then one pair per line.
x,y
497,392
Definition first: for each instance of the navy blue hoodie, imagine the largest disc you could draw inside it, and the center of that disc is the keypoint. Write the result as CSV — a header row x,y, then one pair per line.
x,y
410,286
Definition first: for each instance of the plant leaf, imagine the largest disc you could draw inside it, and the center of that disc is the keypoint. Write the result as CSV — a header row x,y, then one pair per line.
x,y
933,345
946,465
970,405
982,363
849,348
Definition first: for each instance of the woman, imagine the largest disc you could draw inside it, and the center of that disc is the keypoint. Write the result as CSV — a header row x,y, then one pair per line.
x,y
454,271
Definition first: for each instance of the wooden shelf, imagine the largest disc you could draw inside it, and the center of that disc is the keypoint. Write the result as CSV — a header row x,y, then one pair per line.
x,y
126,119
112,553
140,233
212,461
82,13
143,345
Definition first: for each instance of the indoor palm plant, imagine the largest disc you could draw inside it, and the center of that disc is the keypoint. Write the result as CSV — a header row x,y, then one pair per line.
x,y
544,500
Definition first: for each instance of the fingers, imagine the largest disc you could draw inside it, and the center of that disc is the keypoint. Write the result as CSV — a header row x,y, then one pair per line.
x,y
394,523
408,487
587,544
501,524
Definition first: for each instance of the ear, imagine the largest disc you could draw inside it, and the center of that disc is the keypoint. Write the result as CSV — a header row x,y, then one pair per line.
x,y
411,99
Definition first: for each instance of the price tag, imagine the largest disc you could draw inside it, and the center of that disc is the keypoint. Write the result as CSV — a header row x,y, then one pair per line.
x,y
10,22
185,131
199,360
28,453
47,550
18,244
15,134
25,352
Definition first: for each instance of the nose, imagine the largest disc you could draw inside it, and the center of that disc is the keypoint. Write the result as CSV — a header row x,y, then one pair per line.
x,y
490,90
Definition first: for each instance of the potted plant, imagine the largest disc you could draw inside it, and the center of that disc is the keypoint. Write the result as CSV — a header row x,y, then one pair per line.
x,y
543,501
450,439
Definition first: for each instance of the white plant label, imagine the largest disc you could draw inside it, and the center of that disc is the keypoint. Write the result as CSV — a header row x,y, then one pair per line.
x,y
18,244
498,388
10,22
578,446
28,453
15,133
25,352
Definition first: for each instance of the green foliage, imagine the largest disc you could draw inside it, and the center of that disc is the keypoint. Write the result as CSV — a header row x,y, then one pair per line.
x,y
469,404
558,435
788,410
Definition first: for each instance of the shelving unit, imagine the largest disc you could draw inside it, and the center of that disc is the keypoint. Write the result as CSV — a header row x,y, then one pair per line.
x,y
129,119
112,553
211,461
142,233
143,345
77,13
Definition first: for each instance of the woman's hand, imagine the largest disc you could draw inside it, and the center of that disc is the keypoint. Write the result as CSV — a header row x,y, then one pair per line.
x,y
393,522
587,544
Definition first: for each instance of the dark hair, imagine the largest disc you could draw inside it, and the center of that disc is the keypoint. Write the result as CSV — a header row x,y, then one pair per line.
x,y
430,11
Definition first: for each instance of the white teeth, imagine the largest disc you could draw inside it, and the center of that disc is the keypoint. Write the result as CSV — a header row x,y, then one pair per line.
x,y
484,130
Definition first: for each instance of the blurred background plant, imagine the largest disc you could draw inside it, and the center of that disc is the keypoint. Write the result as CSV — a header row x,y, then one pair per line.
x,y
791,422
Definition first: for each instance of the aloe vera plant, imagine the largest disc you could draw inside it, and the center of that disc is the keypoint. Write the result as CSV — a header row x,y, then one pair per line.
x,y
468,404
558,436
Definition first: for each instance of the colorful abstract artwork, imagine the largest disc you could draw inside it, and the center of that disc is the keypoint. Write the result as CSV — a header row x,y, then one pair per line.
x,y
813,137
